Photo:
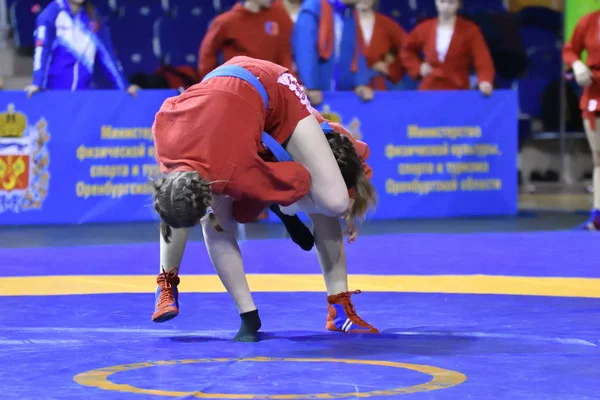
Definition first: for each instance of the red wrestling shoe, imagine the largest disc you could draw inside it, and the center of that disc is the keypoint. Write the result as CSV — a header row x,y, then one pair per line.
x,y
592,224
342,315
166,303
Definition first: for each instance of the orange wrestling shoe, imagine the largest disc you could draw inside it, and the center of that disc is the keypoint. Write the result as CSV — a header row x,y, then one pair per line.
x,y
166,304
342,315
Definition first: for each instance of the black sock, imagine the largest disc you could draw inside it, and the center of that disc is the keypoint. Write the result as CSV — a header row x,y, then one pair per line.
x,y
249,329
299,233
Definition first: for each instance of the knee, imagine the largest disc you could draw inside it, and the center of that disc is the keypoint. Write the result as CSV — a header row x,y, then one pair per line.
x,y
337,203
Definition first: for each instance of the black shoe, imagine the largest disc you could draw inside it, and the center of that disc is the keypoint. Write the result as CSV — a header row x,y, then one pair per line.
x,y
299,232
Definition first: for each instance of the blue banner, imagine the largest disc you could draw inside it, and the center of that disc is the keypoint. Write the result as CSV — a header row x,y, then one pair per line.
x,y
88,156
77,157
436,154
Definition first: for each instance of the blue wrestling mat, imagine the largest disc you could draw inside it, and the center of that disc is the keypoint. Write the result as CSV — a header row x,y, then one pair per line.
x,y
482,316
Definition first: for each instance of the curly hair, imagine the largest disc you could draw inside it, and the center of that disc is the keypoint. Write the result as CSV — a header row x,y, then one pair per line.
x,y
365,195
181,200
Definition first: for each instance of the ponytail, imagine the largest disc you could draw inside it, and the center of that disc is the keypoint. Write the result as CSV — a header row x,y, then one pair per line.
x,y
365,197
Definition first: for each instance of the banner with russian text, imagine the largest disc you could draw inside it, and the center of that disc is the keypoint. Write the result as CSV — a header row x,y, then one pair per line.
x,y
436,154
77,157
88,156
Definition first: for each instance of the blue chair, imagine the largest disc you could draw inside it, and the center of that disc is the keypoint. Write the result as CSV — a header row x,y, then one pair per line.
x,y
400,11
195,8
107,8
542,17
483,6
143,12
544,63
178,38
23,14
530,92
223,5
425,9
205,9
536,37
132,34
389,6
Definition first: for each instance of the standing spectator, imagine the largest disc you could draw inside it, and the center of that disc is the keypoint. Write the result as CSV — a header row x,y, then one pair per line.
x,y
586,37
328,49
254,28
70,42
293,8
383,39
452,46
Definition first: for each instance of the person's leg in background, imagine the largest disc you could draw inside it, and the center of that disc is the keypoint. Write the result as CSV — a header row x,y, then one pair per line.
x,y
592,130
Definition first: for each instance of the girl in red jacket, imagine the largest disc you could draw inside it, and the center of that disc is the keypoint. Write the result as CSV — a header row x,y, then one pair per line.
x,y
451,47
382,39
209,142
587,37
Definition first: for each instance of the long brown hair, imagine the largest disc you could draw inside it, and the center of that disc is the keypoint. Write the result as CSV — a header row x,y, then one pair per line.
x,y
365,195
365,198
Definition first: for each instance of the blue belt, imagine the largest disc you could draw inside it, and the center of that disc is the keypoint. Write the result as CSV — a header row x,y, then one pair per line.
x,y
242,73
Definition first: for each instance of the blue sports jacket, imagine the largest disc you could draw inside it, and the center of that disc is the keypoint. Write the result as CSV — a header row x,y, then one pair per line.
x,y
68,47
333,73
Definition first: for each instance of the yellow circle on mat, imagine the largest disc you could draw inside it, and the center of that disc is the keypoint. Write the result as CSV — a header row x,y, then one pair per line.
x,y
441,379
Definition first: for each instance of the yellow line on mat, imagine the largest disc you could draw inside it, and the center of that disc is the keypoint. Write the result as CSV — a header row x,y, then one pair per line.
x,y
468,284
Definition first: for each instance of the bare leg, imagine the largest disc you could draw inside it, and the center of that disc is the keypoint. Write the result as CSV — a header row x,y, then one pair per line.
x,y
167,298
309,147
171,254
225,254
594,141
329,240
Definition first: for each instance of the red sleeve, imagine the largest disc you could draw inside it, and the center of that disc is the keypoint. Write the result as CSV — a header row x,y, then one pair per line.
x,y
211,44
398,37
261,183
575,46
410,53
274,182
484,65
281,183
